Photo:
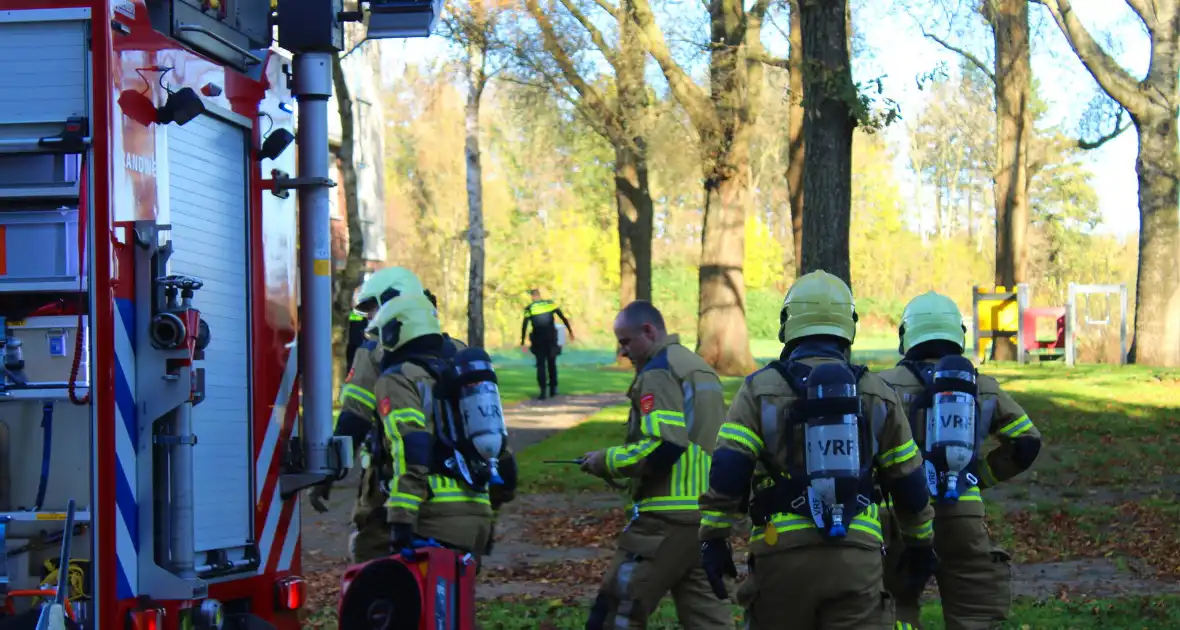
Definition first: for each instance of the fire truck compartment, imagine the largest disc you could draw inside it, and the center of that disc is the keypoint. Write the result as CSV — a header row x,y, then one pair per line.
x,y
48,345
39,250
41,90
208,213
45,175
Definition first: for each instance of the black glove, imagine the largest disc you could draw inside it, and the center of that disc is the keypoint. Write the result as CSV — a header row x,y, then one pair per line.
x,y
319,494
918,564
717,561
401,536
487,550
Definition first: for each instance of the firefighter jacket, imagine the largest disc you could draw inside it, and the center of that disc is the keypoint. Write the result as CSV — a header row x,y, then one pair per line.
x,y
751,437
1000,416
356,395
416,489
677,406
540,314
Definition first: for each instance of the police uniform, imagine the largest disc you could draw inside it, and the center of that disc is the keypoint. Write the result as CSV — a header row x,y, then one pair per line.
x,y
543,341
402,486
974,578
796,572
677,406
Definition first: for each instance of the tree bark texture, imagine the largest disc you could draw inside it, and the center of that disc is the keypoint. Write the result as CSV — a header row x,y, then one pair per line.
x,y
1013,82
1152,104
827,133
795,115
632,194
475,234
348,278
1157,289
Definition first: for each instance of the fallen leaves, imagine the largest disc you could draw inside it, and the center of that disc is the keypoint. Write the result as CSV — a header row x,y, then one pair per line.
x,y
588,572
592,530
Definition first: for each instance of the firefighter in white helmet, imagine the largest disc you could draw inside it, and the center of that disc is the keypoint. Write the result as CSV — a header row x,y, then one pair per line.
x,y
407,494
357,403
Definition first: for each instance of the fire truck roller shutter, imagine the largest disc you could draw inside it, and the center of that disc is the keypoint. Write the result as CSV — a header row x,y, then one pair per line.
x,y
208,197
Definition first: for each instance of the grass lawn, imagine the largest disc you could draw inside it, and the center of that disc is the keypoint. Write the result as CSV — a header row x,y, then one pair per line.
x,y
1129,613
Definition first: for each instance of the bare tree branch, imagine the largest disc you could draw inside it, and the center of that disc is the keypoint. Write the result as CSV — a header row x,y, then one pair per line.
x,y
1146,11
608,7
1117,82
769,60
690,95
595,34
594,99
1089,145
972,59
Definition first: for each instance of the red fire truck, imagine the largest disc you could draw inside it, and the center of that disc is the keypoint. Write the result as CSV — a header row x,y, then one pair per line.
x,y
164,302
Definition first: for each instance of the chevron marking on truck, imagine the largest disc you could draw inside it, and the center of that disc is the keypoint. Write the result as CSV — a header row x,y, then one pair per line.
x,y
126,434
270,507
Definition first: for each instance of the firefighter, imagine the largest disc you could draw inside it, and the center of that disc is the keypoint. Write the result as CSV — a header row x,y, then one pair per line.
x,y
404,496
821,568
543,340
974,578
357,401
677,406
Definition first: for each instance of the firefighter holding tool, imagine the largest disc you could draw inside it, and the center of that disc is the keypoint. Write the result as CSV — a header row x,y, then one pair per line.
x,y
952,409
805,444
677,406
440,444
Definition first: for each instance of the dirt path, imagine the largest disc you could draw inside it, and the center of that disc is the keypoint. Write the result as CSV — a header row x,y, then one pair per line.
x,y
325,536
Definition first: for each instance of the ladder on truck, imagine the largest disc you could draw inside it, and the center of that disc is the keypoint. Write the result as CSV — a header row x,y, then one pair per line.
x,y
45,376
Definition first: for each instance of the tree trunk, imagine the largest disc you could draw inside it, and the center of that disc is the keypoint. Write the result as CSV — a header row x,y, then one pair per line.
x,y
348,278
1009,20
1157,291
795,115
827,134
633,201
475,234
723,339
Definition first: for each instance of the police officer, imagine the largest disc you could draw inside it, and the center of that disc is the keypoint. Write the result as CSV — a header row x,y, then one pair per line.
x,y
358,405
543,339
677,406
404,495
974,579
819,578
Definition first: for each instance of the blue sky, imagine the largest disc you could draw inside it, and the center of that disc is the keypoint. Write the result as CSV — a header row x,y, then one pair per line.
x,y
895,48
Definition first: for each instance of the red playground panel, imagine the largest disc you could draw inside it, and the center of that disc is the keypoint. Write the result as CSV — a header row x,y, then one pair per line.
x,y
1031,340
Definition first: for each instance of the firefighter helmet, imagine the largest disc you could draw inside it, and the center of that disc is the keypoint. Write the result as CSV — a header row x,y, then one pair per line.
x,y
403,318
385,284
818,304
929,317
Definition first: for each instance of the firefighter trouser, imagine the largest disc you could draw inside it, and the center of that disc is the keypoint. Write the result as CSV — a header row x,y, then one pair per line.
x,y
655,558
974,579
546,355
370,537
833,587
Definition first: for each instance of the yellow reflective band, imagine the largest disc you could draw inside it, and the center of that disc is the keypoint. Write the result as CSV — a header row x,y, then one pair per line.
x,y
921,532
403,501
742,435
719,519
666,504
972,495
690,474
540,308
654,420
1017,428
901,625
986,476
899,455
444,489
359,394
868,522
628,455
408,416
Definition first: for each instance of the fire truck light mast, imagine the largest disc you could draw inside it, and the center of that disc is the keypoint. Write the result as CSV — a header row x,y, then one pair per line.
x,y
313,31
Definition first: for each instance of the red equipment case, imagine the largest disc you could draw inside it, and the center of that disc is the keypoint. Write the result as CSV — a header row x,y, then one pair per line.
x,y
431,588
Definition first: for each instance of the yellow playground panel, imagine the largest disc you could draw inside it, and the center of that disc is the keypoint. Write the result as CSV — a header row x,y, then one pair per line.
x,y
997,315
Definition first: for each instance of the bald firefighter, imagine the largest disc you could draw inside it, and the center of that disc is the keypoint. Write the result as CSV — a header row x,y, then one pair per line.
x,y
413,490
812,435
357,402
952,409
677,406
